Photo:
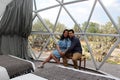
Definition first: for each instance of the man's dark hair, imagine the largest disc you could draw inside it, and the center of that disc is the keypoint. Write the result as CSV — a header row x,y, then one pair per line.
x,y
71,30
62,37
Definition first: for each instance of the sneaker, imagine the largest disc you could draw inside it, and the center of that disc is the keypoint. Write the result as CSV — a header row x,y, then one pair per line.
x,y
41,66
76,67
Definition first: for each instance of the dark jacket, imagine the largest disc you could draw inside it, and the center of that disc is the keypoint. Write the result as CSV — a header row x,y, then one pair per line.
x,y
75,46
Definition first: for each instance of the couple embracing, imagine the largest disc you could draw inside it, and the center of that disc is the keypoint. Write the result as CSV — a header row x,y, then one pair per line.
x,y
68,46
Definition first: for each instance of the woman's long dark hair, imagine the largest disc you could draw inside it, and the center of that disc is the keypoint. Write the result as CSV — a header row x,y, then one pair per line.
x,y
62,36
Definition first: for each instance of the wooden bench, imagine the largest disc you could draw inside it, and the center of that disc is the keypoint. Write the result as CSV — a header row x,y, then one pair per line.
x,y
83,58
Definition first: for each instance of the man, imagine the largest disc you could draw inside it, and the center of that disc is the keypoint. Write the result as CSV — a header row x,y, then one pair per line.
x,y
74,51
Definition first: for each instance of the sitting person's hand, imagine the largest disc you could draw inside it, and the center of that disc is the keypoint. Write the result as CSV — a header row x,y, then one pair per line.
x,y
62,53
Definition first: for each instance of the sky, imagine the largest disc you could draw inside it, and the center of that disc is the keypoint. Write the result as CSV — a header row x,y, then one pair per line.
x,y
80,11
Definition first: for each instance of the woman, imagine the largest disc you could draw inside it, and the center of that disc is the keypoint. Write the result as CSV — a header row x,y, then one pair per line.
x,y
61,46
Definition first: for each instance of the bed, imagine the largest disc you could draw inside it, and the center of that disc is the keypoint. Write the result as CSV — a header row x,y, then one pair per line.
x,y
29,76
11,66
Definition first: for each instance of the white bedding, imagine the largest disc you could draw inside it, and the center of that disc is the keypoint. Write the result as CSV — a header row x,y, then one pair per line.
x,y
3,74
29,76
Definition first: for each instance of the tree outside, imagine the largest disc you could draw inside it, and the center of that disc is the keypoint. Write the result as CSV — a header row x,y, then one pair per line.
x,y
100,44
